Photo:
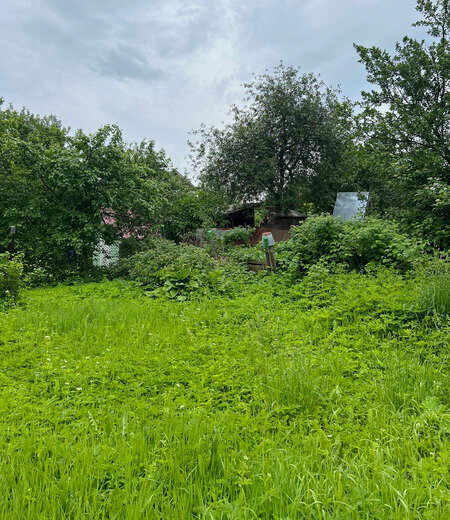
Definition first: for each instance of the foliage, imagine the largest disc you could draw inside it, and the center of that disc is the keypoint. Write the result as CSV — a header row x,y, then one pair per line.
x,y
238,234
240,255
161,253
183,283
64,193
173,269
324,399
10,276
196,208
181,271
292,135
355,244
38,276
405,127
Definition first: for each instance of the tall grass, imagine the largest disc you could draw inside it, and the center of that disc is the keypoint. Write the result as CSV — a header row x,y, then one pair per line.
x,y
326,400
434,296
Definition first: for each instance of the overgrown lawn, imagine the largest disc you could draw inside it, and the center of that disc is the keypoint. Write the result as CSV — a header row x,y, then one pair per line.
x,y
324,400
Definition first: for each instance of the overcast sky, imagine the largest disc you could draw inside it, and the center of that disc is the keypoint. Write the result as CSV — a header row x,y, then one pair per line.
x,y
159,68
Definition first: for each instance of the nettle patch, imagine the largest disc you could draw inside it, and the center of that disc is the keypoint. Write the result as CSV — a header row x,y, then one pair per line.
x,y
325,398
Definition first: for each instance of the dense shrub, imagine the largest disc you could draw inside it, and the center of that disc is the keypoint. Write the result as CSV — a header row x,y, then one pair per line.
x,y
240,254
10,276
38,276
175,270
161,253
355,244
180,271
237,235
379,241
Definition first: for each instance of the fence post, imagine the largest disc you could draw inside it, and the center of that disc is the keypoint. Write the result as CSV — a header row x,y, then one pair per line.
x,y
268,243
273,264
212,244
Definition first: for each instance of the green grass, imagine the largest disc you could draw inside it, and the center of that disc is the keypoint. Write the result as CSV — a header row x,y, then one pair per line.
x,y
326,400
434,293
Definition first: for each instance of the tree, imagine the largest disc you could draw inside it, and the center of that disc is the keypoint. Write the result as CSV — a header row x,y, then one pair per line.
x,y
406,126
183,207
287,145
57,188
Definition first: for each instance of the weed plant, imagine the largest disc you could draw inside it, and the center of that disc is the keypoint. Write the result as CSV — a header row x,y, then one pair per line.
x,y
435,288
322,400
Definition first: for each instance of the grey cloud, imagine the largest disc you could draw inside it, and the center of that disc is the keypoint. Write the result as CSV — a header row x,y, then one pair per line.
x,y
159,68
125,63
82,9
171,27
184,29
67,23
165,29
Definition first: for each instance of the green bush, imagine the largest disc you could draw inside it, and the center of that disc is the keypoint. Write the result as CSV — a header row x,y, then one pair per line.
x,y
240,254
181,271
379,241
10,276
354,244
238,234
161,253
175,270
38,276
318,238
184,283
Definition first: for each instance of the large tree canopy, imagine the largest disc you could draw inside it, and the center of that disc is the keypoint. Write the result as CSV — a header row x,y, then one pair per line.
x,y
56,188
406,126
286,145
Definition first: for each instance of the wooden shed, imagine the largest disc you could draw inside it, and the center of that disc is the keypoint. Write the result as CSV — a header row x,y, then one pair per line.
x,y
278,223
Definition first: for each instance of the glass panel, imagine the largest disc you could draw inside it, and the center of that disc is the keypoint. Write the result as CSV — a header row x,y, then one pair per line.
x,y
350,204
